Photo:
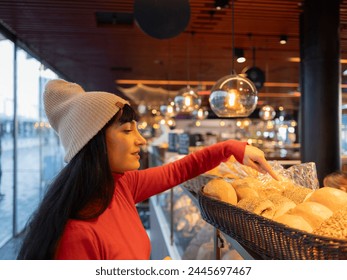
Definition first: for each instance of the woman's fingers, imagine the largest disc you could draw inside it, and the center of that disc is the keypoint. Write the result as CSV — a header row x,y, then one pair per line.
x,y
255,158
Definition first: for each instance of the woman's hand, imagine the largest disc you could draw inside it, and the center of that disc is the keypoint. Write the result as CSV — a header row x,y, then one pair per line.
x,y
255,158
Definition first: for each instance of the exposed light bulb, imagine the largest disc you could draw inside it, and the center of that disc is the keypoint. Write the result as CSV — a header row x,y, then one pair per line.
x,y
230,100
233,96
187,101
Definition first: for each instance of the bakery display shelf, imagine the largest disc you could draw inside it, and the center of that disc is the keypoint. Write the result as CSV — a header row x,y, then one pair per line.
x,y
263,238
178,230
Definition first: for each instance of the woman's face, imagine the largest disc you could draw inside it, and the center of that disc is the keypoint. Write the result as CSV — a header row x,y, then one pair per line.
x,y
123,143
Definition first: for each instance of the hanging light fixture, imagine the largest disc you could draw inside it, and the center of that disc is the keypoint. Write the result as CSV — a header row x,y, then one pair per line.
x,y
283,39
168,110
200,114
267,113
187,99
233,95
240,55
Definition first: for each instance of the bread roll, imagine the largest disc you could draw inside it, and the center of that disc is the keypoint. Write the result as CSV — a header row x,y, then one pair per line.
x,y
247,187
221,190
257,205
294,221
313,212
335,226
281,203
332,198
275,187
296,193
214,172
249,182
244,192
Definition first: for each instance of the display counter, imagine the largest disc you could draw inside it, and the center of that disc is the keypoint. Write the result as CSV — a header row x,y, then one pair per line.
x,y
178,231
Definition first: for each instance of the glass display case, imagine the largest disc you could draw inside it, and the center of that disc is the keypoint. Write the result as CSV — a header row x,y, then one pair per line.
x,y
178,231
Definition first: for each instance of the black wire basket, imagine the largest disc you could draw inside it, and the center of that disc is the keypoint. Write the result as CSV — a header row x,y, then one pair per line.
x,y
266,239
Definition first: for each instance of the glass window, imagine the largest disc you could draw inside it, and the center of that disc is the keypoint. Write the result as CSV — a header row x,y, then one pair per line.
x,y
28,140
6,138
51,151
39,154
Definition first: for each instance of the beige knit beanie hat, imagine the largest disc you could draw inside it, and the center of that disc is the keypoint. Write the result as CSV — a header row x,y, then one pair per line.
x,y
77,116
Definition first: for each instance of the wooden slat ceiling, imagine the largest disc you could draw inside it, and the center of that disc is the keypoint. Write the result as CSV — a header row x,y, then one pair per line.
x,y
100,56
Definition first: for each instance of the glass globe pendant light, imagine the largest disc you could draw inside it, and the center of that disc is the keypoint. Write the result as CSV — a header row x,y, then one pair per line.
x,y
168,110
267,113
200,114
187,100
233,95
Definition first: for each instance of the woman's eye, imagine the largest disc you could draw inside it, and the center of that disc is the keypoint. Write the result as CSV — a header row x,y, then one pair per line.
x,y
127,130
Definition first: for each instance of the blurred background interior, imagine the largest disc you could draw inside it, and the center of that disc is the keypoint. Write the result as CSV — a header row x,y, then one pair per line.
x,y
291,50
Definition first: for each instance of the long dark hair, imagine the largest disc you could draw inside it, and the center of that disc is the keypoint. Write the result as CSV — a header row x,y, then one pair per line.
x,y
83,189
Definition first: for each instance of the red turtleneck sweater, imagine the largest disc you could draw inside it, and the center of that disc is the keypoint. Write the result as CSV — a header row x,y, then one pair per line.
x,y
118,232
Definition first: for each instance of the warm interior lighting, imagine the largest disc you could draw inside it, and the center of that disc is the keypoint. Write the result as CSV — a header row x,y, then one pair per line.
x,y
196,83
171,122
283,39
240,55
230,99
220,4
233,96
187,101
200,114
267,113
168,110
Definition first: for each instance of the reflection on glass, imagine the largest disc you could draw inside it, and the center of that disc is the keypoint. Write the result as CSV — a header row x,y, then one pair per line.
x,y
38,150
187,100
6,139
233,96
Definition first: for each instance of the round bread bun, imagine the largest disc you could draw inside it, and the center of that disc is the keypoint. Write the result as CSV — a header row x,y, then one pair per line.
x,y
221,190
313,212
332,198
294,221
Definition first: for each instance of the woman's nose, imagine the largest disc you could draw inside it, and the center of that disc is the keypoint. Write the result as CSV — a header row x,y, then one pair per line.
x,y
140,139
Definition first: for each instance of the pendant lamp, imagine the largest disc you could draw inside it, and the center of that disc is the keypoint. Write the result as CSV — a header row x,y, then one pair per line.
x,y
200,114
187,100
233,95
267,113
168,110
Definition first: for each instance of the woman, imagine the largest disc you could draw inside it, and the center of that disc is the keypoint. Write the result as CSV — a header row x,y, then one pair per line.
x,y
89,210
337,180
